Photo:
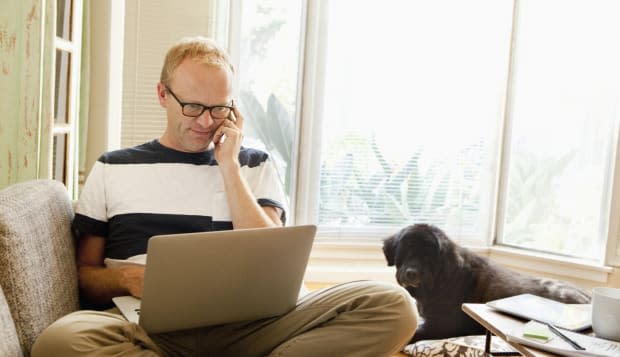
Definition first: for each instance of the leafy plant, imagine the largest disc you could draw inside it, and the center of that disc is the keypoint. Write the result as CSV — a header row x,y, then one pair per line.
x,y
389,195
352,192
274,128
532,207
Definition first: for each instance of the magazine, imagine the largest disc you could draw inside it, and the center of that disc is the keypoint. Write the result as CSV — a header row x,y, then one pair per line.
x,y
575,317
119,263
593,346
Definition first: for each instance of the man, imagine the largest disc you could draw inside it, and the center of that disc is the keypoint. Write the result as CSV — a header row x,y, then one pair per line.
x,y
197,177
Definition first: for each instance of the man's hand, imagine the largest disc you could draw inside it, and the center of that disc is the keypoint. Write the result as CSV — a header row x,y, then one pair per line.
x,y
227,141
132,279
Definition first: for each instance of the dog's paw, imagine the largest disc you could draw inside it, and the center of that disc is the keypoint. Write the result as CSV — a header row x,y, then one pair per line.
x,y
565,292
576,296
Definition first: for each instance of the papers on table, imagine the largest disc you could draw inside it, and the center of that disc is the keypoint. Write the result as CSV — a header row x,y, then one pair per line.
x,y
593,346
574,317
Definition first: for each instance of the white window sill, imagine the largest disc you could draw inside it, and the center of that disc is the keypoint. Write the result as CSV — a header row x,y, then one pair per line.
x,y
336,262
584,273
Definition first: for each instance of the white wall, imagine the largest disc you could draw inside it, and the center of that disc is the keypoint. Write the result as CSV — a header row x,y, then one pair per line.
x,y
106,63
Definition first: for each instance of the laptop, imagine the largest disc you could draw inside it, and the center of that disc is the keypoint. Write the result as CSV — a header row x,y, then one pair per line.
x,y
575,317
201,279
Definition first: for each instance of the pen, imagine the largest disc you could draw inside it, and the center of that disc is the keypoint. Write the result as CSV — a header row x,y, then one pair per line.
x,y
564,337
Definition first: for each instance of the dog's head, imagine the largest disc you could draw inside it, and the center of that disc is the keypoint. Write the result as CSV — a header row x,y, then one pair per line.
x,y
417,251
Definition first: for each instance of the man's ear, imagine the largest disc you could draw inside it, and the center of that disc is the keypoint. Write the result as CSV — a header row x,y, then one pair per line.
x,y
389,248
161,94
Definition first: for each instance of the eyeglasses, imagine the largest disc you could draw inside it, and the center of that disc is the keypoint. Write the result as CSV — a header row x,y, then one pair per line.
x,y
195,109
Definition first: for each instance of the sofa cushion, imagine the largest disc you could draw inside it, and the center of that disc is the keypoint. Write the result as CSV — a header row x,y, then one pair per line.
x,y
37,258
10,343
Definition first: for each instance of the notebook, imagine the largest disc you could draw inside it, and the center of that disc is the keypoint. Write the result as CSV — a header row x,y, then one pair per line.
x,y
575,317
202,279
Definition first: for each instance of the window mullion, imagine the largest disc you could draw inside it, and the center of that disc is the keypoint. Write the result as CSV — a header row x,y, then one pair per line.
x,y
499,210
309,143
612,249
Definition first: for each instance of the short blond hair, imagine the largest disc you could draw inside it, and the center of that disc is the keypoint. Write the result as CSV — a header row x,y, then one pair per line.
x,y
202,49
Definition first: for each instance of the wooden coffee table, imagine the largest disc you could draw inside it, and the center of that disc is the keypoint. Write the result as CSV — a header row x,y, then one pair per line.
x,y
499,324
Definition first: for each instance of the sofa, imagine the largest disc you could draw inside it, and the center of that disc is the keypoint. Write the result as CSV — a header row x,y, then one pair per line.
x,y
38,274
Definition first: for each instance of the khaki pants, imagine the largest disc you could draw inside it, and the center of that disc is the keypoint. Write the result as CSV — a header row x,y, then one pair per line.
x,y
360,318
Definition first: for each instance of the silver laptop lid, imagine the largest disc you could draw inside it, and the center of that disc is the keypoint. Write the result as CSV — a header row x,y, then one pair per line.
x,y
202,279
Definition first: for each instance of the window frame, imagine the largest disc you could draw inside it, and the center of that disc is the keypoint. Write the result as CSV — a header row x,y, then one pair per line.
x,y
311,104
611,251
69,129
338,249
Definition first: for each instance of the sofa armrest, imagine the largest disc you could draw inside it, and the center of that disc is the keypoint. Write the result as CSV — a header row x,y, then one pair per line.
x,y
37,256
8,335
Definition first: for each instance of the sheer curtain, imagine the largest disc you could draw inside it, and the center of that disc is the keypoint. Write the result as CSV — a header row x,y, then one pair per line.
x,y
26,52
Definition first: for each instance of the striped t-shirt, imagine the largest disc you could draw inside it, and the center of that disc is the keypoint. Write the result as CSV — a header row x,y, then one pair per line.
x,y
135,193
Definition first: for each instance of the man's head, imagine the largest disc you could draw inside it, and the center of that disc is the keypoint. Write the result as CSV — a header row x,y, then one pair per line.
x,y
201,49
196,71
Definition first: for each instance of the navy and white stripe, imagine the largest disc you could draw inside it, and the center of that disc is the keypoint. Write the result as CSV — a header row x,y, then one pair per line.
x,y
135,193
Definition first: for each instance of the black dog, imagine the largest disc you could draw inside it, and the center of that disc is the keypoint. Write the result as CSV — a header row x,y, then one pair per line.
x,y
442,275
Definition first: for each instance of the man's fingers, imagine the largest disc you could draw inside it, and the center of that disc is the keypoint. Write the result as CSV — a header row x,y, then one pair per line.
x,y
237,118
225,130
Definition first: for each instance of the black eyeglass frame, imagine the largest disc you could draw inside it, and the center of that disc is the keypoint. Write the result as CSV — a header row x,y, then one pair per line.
x,y
204,107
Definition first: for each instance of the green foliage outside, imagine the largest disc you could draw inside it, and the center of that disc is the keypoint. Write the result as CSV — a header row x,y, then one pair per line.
x,y
536,218
274,127
361,187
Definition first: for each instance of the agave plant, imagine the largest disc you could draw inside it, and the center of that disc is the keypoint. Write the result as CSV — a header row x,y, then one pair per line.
x,y
394,195
273,127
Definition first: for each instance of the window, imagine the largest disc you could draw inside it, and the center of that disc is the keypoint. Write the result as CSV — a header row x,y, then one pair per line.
x,y
66,92
410,124
492,119
269,54
562,114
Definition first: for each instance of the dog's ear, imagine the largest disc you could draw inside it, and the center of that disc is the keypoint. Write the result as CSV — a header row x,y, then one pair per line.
x,y
389,248
441,240
445,246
